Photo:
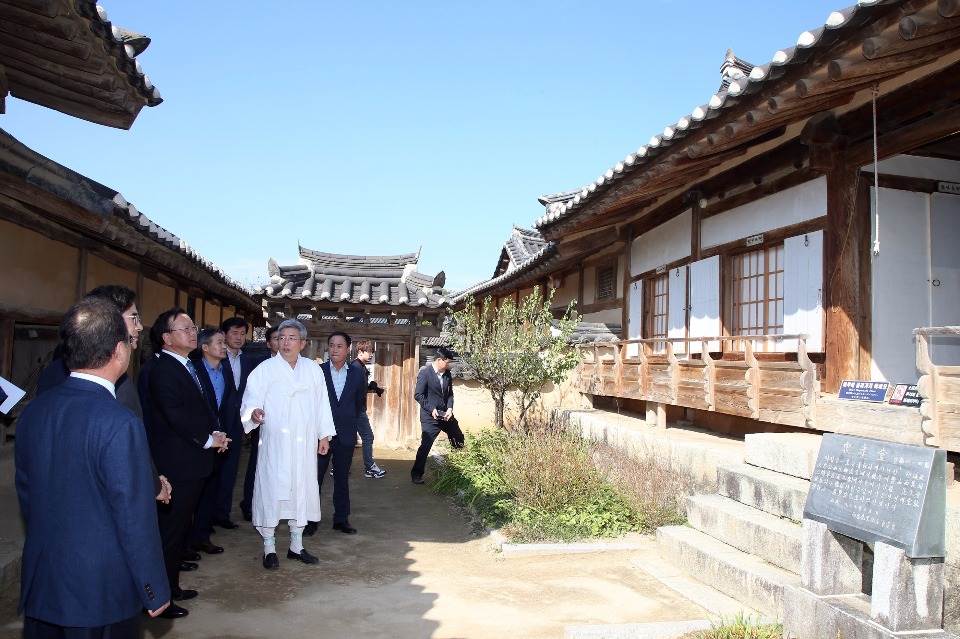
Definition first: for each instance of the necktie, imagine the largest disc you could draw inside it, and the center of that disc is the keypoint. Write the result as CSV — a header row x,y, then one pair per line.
x,y
193,373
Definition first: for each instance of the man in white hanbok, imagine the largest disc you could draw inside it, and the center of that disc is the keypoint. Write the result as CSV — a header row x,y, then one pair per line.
x,y
286,397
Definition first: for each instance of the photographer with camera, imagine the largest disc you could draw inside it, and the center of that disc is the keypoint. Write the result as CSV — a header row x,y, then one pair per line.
x,y
363,357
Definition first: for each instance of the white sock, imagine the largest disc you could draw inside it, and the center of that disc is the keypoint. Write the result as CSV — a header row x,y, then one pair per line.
x,y
296,537
269,539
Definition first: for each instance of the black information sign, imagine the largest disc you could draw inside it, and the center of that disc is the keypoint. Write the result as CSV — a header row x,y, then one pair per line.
x,y
874,490
905,395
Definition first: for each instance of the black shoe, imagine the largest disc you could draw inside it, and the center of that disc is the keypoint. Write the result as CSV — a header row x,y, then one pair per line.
x,y
303,556
173,611
310,528
345,527
189,555
187,566
271,562
207,547
182,594
417,480
226,523
247,515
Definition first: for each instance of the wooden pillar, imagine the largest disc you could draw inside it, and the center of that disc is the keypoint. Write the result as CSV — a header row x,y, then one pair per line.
x,y
82,273
625,290
843,306
6,347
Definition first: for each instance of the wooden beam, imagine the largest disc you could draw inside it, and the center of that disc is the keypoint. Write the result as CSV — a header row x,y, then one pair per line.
x,y
25,60
923,23
857,66
892,41
908,137
64,27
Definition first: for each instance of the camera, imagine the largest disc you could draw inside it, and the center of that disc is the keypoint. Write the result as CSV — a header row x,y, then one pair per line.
x,y
373,387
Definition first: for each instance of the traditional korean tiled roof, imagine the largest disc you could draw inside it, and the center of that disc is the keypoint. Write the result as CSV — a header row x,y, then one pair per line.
x,y
736,88
524,256
733,68
518,250
109,213
391,280
67,55
590,332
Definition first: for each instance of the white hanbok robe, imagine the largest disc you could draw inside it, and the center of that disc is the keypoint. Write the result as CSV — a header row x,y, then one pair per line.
x,y
296,417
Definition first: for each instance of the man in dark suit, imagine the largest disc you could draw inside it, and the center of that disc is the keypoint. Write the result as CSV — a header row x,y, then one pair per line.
x,y
347,390
272,336
240,364
184,440
82,458
216,380
434,393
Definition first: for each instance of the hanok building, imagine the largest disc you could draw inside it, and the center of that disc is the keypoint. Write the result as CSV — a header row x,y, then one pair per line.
x,y
384,299
61,233
796,231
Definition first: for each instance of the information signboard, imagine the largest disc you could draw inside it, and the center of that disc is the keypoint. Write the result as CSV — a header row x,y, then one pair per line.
x,y
862,390
875,490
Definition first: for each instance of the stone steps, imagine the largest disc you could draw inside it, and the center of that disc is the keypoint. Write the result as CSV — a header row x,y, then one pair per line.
x,y
766,490
710,599
754,582
788,453
767,536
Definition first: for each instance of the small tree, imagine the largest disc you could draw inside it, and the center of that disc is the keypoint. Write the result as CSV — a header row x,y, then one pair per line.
x,y
514,349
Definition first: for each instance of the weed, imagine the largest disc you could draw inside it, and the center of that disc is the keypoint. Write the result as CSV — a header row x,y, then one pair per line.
x,y
739,627
546,483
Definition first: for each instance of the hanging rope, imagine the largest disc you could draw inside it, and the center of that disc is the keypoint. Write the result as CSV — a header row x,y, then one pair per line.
x,y
876,175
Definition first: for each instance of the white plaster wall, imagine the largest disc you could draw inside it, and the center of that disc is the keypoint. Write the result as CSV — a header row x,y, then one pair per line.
x,y
589,285
609,316
661,245
926,168
567,292
792,206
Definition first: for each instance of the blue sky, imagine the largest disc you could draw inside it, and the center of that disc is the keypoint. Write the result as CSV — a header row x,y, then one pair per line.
x,y
382,127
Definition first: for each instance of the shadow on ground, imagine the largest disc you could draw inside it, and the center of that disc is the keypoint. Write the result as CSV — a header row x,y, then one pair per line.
x,y
419,568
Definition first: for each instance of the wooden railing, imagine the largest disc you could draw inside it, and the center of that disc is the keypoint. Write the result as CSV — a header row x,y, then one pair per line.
x,y
939,389
782,392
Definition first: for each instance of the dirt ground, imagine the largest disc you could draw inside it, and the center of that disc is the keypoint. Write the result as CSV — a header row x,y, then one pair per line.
x,y
420,567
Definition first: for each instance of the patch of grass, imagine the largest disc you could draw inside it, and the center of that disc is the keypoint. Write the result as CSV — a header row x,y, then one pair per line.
x,y
549,484
738,627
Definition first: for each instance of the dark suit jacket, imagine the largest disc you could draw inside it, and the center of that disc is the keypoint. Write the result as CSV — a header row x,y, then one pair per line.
x,y
92,553
352,402
180,422
228,412
56,372
247,364
428,394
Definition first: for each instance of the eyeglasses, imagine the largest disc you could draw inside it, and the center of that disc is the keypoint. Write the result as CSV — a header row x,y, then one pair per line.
x,y
134,316
287,338
185,329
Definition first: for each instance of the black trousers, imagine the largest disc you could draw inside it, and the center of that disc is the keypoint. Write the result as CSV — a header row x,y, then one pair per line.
x,y
174,520
246,504
429,433
228,476
342,456
126,629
